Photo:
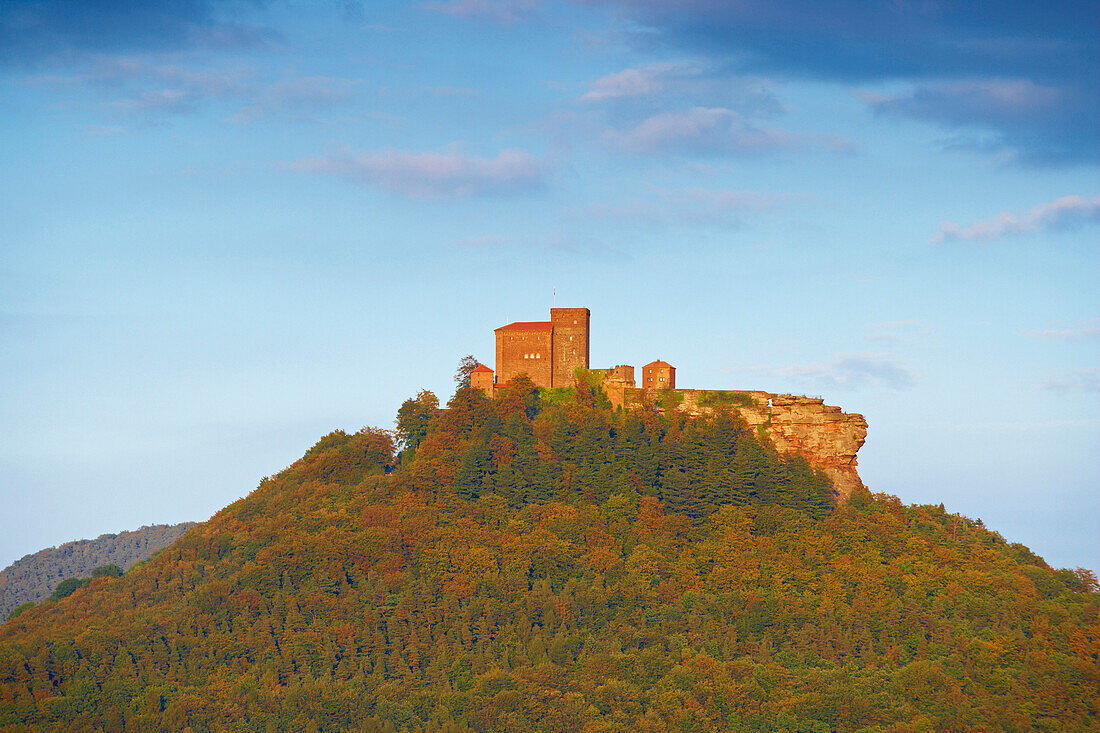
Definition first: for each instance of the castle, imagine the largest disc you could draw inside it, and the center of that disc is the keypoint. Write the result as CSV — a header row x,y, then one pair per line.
x,y
548,352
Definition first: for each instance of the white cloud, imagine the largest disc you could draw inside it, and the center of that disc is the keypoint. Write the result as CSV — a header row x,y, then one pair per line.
x,y
137,86
700,130
644,81
436,175
714,131
1063,213
854,371
1078,380
297,96
1074,331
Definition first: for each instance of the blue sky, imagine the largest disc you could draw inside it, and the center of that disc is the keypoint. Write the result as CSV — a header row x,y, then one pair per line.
x,y
231,227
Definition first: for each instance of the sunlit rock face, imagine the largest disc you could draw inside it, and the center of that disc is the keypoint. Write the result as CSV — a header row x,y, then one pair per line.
x,y
826,436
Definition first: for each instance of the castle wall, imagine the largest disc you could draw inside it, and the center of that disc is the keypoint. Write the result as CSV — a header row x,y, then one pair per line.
x,y
525,351
570,343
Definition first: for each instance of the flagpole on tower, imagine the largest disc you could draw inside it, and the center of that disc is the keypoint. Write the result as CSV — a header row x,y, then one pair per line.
x,y
555,305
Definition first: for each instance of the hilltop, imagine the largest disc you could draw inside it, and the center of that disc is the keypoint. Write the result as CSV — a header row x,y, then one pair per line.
x,y
541,561
32,578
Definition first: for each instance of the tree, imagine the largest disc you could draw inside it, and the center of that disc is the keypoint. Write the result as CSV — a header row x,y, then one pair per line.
x,y
67,587
110,571
476,464
415,419
20,609
466,367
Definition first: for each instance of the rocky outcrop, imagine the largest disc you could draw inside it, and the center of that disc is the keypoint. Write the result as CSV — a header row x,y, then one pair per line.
x,y
827,437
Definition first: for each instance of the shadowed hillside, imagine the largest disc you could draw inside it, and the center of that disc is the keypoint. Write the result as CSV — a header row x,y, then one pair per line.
x,y
33,577
542,562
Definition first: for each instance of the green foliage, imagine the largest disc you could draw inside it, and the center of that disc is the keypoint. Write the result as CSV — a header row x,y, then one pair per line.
x,y
15,612
716,397
350,457
67,587
548,396
557,566
414,421
466,367
577,448
107,571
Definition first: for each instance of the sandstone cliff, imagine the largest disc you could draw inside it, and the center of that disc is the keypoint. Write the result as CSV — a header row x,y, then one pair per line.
x,y
823,434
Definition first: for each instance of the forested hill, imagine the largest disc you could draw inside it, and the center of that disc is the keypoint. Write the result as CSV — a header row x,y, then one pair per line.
x,y
540,562
33,577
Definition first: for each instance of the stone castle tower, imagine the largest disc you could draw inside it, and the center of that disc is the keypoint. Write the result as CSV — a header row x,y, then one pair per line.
x,y
546,351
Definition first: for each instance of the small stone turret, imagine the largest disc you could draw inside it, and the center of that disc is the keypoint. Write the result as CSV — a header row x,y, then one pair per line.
x,y
658,375
482,378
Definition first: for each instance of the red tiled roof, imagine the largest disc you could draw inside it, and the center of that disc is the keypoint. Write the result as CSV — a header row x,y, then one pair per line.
x,y
482,368
527,326
657,363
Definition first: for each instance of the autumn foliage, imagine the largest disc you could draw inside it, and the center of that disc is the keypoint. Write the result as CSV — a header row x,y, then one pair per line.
x,y
530,563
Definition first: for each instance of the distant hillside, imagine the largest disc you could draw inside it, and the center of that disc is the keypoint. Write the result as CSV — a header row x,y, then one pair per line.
x,y
35,576
543,562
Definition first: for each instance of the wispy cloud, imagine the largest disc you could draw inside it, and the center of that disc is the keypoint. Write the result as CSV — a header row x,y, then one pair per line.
x,y
138,86
297,97
120,74
1070,331
690,206
1066,212
34,32
853,371
160,100
1078,380
498,11
432,175
964,102
1027,78
889,333
1031,121
700,130
643,81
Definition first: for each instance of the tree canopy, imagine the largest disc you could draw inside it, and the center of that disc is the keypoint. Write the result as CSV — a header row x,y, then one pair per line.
x,y
544,563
